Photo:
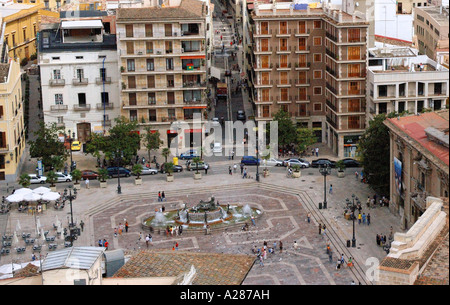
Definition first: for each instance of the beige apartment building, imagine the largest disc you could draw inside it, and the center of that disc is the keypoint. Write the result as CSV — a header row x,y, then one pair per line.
x,y
419,155
431,27
162,60
311,62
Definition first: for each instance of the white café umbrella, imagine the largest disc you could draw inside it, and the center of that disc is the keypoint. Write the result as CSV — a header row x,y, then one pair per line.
x,y
15,239
50,196
15,198
32,197
23,191
42,234
18,227
41,190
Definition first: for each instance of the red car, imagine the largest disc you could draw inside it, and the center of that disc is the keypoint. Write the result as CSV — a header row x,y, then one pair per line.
x,y
88,174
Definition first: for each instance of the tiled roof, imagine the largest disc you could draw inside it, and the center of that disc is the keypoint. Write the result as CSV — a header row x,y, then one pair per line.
x,y
27,271
211,268
187,9
396,263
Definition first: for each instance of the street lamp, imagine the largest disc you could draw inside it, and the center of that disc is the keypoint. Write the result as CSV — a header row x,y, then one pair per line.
x,y
117,157
70,148
71,224
325,171
353,216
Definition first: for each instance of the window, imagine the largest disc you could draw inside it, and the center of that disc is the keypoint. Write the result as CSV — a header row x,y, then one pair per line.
x,y
130,65
283,61
302,77
353,70
57,74
353,88
317,107
79,57
302,94
105,97
150,81
169,48
302,109
302,44
170,81
128,30
317,24
82,99
60,120
171,98
24,30
132,101
150,64
283,27
55,58
168,29
151,98
302,60
317,74
169,63
133,115
131,82
265,95
152,115
266,111
354,53
317,41
148,30
353,122
265,61
264,28
80,74
130,47
317,57
284,78
264,45
317,91
284,94
283,44
58,99
354,35
302,27
353,105
34,29
265,77
149,47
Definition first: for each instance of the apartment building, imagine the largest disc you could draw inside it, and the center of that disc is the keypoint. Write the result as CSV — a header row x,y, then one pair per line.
x,y
12,132
400,80
310,61
431,26
79,76
162,57
419,154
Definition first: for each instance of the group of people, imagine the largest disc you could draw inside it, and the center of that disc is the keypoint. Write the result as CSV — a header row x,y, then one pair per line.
x,y
341,262
174,230
103,243
120,228
261,253
161,197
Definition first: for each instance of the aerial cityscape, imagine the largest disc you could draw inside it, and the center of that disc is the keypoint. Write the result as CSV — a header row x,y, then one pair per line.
x,y
224,142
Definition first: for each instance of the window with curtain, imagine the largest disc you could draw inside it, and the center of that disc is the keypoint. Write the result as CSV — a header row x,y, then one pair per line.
x,y
265,95
149,47
130,65
283,44
283,27
264,28
354,53
265,77
284,78
283,61
265,61
302,60
264,45
148,30
354,35
302,27
302,44
353,70
150,64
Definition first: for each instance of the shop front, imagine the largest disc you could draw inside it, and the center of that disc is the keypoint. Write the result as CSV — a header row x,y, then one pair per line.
x,y
351,146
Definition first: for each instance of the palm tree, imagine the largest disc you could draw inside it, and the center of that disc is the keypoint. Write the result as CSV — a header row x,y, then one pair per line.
x,y
137,170
166,153
196,160
168,168
103,174
24,180
51,178
76,174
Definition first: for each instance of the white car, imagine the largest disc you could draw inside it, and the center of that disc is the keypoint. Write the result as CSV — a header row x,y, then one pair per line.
x,y
273,162
149,171
217,148
300,162
63,178
215,122
37,179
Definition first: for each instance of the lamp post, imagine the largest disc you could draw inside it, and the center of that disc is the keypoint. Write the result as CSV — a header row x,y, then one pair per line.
x,y
353,217
325,171
117,157
70,148
71,224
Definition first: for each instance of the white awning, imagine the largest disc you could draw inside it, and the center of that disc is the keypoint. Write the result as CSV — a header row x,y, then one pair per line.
x,y
82,24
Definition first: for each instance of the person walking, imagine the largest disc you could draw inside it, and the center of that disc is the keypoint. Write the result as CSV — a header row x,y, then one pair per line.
x,y
147,240
234,168
317,151
320,229
206,170
230,171
82,225
100,243
368,219
281,246
356,175
331,188
86,182
242,168
115,232
261,260
253,221
308,216
163,197
364,218
295,245
359,218
105,244
126,226
176,246
159,196
232,155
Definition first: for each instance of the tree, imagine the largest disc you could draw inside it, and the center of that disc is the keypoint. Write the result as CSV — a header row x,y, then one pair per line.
x,y
137,170
51,178
152,140
24,180
103,174
48,147
374,148
287,132
166,153
168,168
196,160
122,138
305,138
76,174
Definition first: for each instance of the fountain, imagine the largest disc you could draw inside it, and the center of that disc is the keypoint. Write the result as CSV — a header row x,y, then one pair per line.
x,y
159,219
247,210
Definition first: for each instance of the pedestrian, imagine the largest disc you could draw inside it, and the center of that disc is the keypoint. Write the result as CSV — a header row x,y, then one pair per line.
x,y
242,168
232,155
378,240
176,246
126,226
115,232
140,236
261,261
100,243
295,245
359,218
245,174
229,170
206,170
163,197
87,183
308,216
364,218
234,168
159,196
82,225
253,221
324,229
331,188
180,230
274,246
147,240
350,262
317,151
281,247
342,259
320,229
338,264
368,202
368,219
105,244
356,175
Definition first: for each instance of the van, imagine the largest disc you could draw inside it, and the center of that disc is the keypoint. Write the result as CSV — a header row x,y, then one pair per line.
x,y
250,160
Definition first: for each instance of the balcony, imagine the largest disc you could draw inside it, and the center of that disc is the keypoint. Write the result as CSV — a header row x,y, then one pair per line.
x,y
333,107
100,80
107,106
420,199
57,82
194,102
194,84
81,107
106,123
332,72
80,81
61,125
58,107
332,37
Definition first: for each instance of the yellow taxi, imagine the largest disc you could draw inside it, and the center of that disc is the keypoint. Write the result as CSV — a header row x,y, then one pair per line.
x,y
76,145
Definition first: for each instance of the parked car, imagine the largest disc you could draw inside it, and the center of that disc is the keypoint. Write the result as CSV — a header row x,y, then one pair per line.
x,y
61,177
241,115
149,171
190,154
301,162
191,166
217,148
250,160
272,162
176,168
323,162
349,162
37,179
88,174
76,145
215,122
114,171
